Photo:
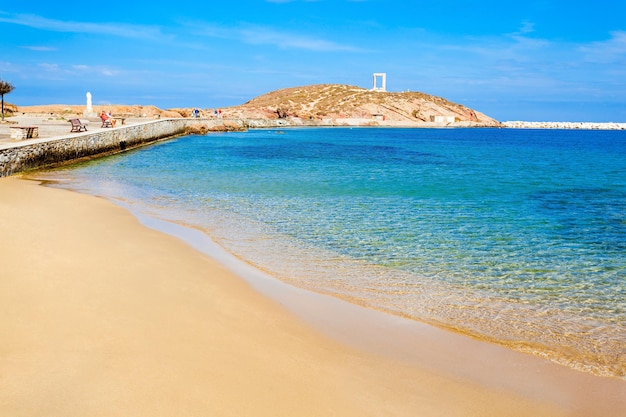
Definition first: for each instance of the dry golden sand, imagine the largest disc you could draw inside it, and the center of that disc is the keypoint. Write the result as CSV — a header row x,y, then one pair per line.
x,y
101,316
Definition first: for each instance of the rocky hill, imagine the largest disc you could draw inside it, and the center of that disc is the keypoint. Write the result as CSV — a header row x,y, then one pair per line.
x,y
323,104
346,104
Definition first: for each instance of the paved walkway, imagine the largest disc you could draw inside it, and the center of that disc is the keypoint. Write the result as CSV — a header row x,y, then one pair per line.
x,y
52,127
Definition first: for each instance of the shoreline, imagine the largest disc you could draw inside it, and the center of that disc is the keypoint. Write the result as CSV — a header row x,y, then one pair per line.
x,y
52,145
276,288
336,317
104,313
56,127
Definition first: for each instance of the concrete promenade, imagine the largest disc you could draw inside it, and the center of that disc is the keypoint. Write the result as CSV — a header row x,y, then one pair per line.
x,y
50,150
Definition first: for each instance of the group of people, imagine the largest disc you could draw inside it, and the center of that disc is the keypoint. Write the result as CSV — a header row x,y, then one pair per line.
x,y
217,113
107,118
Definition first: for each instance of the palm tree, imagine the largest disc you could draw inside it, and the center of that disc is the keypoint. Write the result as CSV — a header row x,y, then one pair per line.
x,y
5,88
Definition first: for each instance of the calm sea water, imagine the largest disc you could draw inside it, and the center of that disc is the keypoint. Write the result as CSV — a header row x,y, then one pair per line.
x,y
513,236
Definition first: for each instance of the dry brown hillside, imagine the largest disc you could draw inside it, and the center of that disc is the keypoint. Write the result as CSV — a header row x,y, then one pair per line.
x,y
68,111
327,104
337,101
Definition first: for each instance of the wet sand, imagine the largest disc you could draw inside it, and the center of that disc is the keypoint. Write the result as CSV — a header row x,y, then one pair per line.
x,y
102,315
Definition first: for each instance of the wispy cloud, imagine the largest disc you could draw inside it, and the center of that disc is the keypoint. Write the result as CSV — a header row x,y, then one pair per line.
x,y
49,67
76,70
105,29
527,27
291,1
8,67
269,36
95,69
522,64
609,51
40,48
261,35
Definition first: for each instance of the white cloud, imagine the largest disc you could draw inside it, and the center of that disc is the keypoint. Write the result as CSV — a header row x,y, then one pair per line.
x,y
8,67
260,35
49,67
527,27
609,51
40,48
81,67
105,29
293,1
96,70
77,69
268,36
108,72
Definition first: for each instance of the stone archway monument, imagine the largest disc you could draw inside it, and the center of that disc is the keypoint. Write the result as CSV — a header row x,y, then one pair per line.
x,y
383,81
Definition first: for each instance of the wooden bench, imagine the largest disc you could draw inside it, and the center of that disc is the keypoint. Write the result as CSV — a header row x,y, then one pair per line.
x,y
121,119
24,132
77,125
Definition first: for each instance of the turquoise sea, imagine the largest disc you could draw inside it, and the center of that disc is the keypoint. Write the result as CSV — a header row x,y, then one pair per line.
x,y
517,237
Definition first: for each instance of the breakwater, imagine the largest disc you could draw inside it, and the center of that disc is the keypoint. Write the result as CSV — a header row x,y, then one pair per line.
x,y
565,125
49,152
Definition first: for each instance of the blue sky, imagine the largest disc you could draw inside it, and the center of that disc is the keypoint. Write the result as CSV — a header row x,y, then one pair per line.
x,y
527,60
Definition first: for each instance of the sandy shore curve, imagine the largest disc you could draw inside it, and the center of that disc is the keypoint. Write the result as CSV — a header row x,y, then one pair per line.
x,y
103,316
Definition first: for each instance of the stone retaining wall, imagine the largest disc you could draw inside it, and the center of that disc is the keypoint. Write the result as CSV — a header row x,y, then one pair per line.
x,y
45,153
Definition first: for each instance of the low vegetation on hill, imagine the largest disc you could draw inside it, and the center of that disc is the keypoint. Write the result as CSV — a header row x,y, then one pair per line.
x,y
337,101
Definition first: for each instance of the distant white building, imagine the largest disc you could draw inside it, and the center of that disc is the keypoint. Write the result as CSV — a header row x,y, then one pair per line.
x,y
443,119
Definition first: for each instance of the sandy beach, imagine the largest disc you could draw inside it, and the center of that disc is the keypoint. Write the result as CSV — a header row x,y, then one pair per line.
x,y
104,316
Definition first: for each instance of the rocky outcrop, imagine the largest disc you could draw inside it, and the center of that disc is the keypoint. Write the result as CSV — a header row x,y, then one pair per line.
x,y
217,126
197,129
230,126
